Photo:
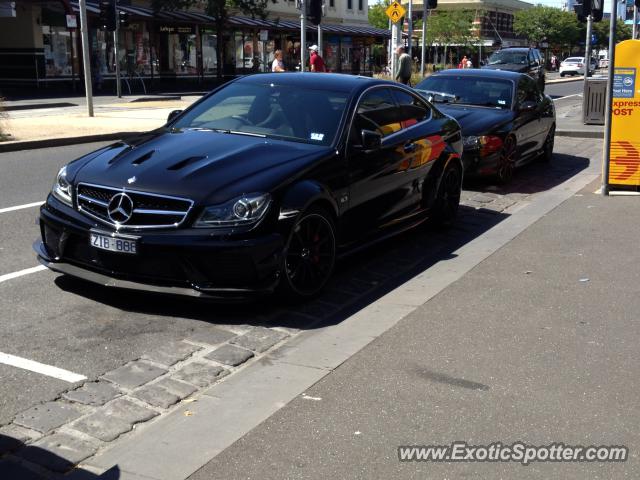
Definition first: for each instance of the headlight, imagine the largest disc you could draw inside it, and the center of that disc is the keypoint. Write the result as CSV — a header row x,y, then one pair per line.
x,y
62,188
246,210
471,142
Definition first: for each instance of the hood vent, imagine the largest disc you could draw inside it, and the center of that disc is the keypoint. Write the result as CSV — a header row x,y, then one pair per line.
x,y
143,158
187,161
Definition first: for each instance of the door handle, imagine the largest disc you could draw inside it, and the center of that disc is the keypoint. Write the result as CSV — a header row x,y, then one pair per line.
x,y
410,147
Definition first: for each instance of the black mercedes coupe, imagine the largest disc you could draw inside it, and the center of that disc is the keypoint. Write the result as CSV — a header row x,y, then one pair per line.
x,y
260,185
506,119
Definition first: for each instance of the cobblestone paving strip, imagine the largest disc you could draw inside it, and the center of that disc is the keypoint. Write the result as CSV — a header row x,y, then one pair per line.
x,y
93,416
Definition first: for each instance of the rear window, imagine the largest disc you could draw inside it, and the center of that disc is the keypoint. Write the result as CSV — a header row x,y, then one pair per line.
x,y
573,60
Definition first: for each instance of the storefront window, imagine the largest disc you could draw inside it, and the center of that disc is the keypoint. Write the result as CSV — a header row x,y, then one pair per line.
x,y
58,51
331,54
209,45
178,50
345,54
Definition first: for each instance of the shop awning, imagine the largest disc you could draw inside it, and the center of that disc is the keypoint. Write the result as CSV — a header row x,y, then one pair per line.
x,y
239,21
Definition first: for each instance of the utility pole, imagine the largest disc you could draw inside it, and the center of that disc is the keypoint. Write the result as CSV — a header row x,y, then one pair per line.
x,y
320,40
423,41
607,115
303,34
634,34
115,51
410,28
86,60
587,51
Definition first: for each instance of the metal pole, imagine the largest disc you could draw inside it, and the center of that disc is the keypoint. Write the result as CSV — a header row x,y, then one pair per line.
x,y
410,27
390,59
587,51
395,33
607,115
635,23
115,51
303,34
86,63
320,40
423,41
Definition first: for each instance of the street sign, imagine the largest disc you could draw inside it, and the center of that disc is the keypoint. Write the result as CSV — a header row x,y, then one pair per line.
x,y
395,12
624,152
72,21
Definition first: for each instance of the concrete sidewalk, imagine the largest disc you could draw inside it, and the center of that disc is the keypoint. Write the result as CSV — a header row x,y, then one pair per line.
x,y
538,343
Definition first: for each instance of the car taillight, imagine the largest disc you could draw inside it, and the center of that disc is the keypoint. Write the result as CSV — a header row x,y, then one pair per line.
x,y
490,144
581,64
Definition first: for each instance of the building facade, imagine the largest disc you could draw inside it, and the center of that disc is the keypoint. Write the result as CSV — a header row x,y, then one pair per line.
x,y
40,44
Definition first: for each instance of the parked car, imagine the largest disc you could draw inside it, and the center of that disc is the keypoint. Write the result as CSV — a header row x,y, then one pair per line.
x,y
506,120
261,184
521,60
575,66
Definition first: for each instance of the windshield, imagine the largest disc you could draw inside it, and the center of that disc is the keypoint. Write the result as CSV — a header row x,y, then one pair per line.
x,y
502,57
485,92
284,112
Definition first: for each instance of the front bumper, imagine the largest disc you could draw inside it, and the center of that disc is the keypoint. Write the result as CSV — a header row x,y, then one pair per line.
x,y
190,262
476,164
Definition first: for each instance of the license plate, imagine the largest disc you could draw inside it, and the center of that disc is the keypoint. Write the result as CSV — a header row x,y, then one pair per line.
x,y
113,244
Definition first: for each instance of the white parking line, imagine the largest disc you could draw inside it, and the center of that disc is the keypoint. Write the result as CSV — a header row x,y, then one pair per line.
x,y
41,368
20,207
20,273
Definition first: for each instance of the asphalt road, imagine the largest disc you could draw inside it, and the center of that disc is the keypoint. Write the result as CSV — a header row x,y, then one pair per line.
x,y
89,330
563,89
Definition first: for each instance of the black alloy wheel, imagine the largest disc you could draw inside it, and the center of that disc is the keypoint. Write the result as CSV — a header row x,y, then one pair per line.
x,y
310,255
547,149
506,161
448,197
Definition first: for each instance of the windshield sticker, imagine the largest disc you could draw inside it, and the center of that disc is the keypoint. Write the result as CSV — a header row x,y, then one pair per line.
x,y
502,102
317,136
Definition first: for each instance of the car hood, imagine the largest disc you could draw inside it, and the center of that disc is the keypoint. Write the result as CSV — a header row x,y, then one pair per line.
x,y
477,120
510,67
207,167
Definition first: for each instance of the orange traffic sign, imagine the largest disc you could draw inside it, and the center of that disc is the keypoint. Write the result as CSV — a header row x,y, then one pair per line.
x,y
395,12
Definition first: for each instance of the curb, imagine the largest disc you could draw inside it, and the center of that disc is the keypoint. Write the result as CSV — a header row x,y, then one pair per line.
x,y
579,134
62,142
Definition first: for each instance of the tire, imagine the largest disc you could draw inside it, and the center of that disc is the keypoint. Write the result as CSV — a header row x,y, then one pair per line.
x,y
547,149
506,161
309,255
562,74
445,207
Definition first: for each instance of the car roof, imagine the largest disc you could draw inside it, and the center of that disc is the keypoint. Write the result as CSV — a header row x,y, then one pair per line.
x,y
337,82
480,72
518,48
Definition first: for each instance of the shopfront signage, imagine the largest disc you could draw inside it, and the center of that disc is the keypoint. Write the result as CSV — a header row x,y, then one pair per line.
x,y
176,29
624,152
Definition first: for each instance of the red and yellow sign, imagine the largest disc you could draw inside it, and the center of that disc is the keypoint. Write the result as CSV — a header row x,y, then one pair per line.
x,y
624,153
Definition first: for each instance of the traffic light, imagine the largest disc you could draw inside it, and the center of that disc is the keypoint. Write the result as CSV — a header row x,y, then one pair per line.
x,y
582,10
432,4
314,11
108,15
123,17
596,9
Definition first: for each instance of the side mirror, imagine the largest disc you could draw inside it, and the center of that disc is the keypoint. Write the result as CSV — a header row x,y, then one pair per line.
x,y
527,106
173,115
370,140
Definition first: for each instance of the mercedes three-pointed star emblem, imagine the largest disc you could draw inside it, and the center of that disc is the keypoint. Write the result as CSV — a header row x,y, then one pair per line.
x,y
120,208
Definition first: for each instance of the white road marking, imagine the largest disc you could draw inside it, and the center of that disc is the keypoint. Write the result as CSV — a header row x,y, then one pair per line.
x,y
20,273
568,96
20,207
41,368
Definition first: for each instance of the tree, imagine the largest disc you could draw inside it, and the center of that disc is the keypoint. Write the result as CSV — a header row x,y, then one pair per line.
x,y
601,32
377,15
447,27
220,11
550,24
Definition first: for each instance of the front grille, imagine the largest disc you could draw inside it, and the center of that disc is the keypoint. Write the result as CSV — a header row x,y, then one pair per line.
x,y
147,210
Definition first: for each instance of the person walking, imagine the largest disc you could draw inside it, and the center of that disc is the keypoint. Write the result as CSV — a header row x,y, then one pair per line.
x,y
316,61
463,62
404,67
278,64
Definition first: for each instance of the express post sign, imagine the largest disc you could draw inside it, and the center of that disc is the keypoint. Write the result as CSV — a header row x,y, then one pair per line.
x,y
624,152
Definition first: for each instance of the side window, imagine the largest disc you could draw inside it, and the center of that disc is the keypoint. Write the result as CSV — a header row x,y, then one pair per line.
x,y
411,109
376,111
528,91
